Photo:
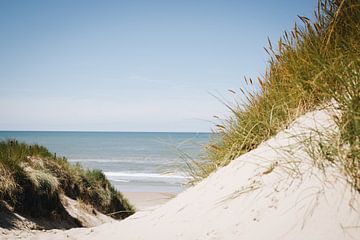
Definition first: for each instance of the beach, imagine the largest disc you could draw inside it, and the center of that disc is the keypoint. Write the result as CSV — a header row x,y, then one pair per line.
x,y
145,167
254,197
148,200
180,120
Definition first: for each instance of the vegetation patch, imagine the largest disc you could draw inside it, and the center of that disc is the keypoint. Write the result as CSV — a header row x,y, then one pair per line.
x,y
316,63
33,179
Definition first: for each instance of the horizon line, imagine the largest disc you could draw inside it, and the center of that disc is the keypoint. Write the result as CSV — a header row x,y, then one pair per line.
x,y
103,131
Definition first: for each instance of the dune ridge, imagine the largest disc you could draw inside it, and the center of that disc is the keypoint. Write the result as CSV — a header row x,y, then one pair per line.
x,y
272,192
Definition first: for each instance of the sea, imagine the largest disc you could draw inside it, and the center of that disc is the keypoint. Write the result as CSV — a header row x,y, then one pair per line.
x,y
132,161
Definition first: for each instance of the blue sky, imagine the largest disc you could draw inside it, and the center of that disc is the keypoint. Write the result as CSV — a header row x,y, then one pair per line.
x,y
131,65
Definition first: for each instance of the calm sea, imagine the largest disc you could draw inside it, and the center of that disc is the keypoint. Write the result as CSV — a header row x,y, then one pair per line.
x,y
133,161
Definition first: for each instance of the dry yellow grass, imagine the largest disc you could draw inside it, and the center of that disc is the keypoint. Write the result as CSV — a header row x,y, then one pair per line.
x,y
310,65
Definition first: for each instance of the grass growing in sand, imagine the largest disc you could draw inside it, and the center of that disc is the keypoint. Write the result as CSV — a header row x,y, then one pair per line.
x,y
315,63
32,180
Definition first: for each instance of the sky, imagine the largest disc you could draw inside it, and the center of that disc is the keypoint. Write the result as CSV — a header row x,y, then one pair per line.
x,y
131,65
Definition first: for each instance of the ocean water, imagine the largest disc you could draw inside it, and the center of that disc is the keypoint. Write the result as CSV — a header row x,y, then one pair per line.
x,y
132,161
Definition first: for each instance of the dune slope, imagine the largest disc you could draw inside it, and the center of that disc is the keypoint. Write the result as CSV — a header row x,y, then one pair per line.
x,y
272,192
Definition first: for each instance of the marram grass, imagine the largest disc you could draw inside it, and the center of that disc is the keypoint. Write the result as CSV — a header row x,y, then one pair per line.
x,y
32,181
315,63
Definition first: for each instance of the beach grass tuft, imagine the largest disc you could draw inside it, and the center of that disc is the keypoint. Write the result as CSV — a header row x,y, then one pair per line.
x,y
33,179
315,63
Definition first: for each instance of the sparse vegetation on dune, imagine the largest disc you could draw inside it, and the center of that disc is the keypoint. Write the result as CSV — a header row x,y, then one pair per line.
x,y
315,63
32,181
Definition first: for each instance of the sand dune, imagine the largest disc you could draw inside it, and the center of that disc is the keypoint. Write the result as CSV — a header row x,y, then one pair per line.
x,y
272,192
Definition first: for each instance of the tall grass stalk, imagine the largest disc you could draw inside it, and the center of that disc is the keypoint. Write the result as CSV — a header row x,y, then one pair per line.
x,y
312,64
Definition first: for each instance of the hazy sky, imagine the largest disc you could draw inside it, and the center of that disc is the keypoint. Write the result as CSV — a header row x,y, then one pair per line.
x,y
131,65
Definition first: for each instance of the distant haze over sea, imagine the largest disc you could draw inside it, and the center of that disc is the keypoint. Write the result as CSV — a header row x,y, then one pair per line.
x,y
133,161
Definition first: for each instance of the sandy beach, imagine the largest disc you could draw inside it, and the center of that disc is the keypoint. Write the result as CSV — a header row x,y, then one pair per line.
x,y
257,196
147,200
